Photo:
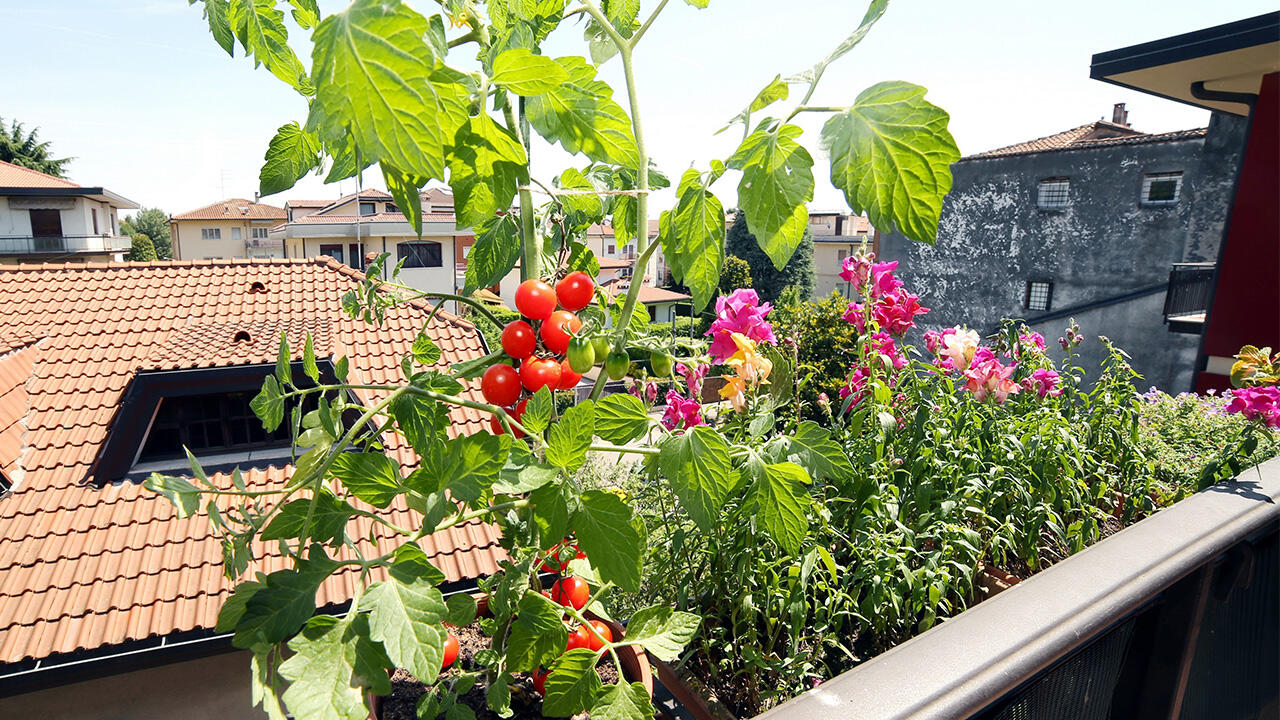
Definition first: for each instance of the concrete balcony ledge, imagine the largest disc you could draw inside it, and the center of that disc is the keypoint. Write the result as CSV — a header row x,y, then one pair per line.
x,y
975,662
64,244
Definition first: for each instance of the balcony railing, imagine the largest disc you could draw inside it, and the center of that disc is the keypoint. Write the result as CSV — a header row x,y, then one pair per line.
x,y
63,244
1187,299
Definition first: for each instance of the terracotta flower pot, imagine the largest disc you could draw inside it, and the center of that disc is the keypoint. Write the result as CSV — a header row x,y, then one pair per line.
x,y
992,581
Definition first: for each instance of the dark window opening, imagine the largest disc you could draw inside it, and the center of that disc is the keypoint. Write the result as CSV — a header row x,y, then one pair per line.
x,y
94,213
1161,188
242,336
216,422
391,208
368,208
1054,193
1038,295
420,254
357,257
333,251
46,228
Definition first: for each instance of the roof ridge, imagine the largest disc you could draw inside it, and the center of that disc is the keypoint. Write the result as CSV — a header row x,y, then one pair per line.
x,y
147,264
1028,147
217,203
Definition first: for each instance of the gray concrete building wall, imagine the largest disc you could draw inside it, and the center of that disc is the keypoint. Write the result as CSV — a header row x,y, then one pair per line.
x,y
993,238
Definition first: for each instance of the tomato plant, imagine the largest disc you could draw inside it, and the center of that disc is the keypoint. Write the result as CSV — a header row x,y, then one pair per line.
x,y
519,340
451,648
537,373
500,385
535,299
616,364
559,329
571,592
575,291
602,635
580,638
582,356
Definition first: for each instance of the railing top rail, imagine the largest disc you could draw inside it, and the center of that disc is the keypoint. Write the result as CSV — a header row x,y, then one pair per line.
x,y
1194,266
961,666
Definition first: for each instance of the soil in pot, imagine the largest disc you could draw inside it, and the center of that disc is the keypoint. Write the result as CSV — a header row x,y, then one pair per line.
x,y
402,703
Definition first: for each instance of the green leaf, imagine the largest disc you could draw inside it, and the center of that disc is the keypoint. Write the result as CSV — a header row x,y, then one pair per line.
x,y
472,464
461,609
581,210
608,536
406,191
523,472
537,635
779,498
571,436
776,90
662,631
621,418
537,412
777,181
215,11
524,73
277,609
572,684
309,366
700,4
696,465
260,29
874,11
411,565
421,420
333,664
405,616
494,253
233,609
424,349
499,694
262,681
693,238
305,13
623,701
582,116
379,82
813,449
551,513
328,519
485,166
184,496
891,154
284,373
372,477
622,14
291,154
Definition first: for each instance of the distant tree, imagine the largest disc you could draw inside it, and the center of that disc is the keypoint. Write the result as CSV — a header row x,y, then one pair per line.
x,y
143,250
735,274
24,148
767,280
154,223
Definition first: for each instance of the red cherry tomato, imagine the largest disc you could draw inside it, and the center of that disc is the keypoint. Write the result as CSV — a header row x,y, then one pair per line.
x,y
552,563
540,681
496,426
535,299
575,291
556,331
518,339
537,373
500,385
571,592
568,378
451,648
593,642
580,638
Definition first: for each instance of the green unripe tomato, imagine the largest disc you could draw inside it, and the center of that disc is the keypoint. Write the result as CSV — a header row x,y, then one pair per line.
x,y
601,345
661,363
617,364
581,355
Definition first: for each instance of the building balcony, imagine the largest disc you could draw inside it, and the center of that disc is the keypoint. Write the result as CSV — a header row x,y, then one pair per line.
x,y
1186,302
261,243
64,245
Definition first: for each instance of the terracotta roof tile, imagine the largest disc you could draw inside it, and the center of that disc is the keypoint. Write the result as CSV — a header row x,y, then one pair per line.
x,y
17,176
1094,134
84,564
233,209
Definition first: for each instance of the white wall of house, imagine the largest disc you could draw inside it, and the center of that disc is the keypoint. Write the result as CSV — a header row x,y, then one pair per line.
x,y
76,218
828,261
190,243
662,312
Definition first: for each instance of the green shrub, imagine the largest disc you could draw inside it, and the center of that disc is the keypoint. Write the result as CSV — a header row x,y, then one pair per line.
x,y
143,250
826,345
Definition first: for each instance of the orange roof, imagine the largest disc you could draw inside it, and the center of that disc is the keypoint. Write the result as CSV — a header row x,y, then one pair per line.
x,y
233,209
1095,134
375,218
13,176
648,294
84,564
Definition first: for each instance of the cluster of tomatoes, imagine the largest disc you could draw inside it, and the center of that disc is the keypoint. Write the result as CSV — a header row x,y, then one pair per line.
x,y
574,592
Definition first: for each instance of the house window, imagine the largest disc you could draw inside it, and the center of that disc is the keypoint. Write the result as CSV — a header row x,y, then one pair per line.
x,y
1054,193
391,208
259,233
94,212
1161,188
420,254
210,233
368,208
333,251
235,234
1038,295
613,249
217,422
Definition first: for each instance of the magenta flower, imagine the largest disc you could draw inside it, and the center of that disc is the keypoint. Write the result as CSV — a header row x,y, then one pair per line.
x,y
1043,383
932,341
856,317
651,391
856,386
1256,403
1032,339
882,280
896,311
681,412
857,269
693,377
882,344
739,312
987,376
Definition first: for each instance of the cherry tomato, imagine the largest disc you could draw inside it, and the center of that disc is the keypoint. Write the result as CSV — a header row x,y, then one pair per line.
x,y
580,638
556,331
500,385
496,425
537,373
552,562
568,378
660,362
535,299
593,642
451,648
575,291
518,339
582,356
540,681
571,592
616,364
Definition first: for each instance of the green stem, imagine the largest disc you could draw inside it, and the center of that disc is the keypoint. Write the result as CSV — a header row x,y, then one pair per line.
x,y
530,257
621,450
645,27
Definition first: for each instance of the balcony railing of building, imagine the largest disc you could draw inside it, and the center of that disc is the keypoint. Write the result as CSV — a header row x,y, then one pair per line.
x,y
1173,617
259,243
63,244
1187,300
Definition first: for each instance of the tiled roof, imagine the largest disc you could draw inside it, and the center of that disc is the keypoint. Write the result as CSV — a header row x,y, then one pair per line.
x,y
232,209
306,203
375,218
1094,134
648,294
85,564
13,176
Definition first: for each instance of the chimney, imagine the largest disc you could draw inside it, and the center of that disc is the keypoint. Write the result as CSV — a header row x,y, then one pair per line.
x,y
257,195
1119,115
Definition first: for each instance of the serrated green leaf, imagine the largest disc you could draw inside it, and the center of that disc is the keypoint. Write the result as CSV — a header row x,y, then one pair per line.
x,y
622,14
777,181
537,635
608,536
215,11
260,28
291,154
582,116
309,366
580,210
328,519
485,165
233,608
411,565
572,683
381,85
333,666
372,477
461,609
891,154
472,464
696,465
262,682
571,436
779,498
537,412
551,513
662,631
305,13
623,702
277,609
406,191
621,418
692,238
405,617
421,420
425,350
524,73
812,448
499,694
494,253
184,496
284,373
776,90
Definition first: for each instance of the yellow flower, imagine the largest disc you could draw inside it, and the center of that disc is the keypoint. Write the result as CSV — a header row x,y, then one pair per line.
x,y
735,389
748,362
462,20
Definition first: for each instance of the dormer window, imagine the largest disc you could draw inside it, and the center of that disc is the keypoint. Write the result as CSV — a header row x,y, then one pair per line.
x,y
368,208
207,424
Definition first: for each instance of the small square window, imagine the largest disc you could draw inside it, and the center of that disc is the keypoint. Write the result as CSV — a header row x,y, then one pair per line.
x,y
259,233
1038,295
1054,193
1161,188
613,249
333,251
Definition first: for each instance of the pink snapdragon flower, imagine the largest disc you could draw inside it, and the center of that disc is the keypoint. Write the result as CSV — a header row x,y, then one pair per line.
x,y
959,347
739,312
681,412
1256,403
856,316
987,376
1045,383
882,344
693,377
883,280
896,311
856,385
1032,339
857,269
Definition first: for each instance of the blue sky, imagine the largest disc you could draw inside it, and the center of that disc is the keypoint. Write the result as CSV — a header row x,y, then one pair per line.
x,y
138,92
